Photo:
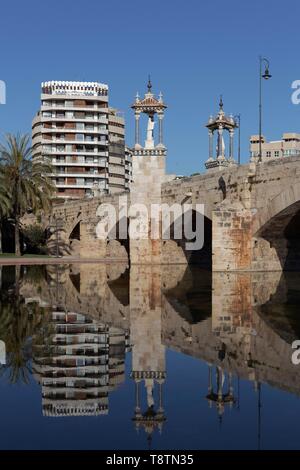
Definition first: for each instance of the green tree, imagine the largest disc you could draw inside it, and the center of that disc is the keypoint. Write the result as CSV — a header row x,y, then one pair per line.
x,y
35,238
5,202
27,181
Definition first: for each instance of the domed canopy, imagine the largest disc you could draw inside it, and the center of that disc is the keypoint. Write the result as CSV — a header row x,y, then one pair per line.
x,y
149,104
227,122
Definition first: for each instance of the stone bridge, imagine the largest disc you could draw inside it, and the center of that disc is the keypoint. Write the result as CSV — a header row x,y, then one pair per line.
x,y
251,217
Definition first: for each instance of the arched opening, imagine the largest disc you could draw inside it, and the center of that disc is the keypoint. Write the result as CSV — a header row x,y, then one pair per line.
x,y
75,234
191,297
74,239
282,232
183,250
281,311
118,245
292,235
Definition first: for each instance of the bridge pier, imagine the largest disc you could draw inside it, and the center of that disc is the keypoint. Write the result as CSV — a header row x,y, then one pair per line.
x,y
148,172
231,238
89,244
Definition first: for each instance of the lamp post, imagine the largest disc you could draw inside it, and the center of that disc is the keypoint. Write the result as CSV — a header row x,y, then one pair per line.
x,y
266,75
237,119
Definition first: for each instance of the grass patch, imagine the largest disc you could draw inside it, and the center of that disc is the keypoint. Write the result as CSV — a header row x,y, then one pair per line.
x,y
13,255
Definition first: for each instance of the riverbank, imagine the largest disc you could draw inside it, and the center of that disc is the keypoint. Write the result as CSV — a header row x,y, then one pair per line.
x,y
14,260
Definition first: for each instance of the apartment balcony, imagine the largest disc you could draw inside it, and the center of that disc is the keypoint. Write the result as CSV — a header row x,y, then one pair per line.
x,y
67,130
120,131
102,119
62,106
102,164
78,186
75,97
84,174
117,170
93,155
74,141
86,152
95,148
116,180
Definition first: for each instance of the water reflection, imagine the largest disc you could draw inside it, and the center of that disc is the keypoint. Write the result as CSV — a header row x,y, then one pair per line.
x,y
72,325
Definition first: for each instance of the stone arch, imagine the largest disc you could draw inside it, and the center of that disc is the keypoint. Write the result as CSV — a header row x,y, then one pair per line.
x,y
73,236
276,232
117,245
287,198
175,250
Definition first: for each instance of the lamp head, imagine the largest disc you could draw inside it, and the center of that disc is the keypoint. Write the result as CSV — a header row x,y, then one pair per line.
x,y
267,74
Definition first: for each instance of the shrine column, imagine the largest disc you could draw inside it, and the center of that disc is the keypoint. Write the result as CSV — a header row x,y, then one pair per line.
x,y
137,129
160,128
210,142
231,133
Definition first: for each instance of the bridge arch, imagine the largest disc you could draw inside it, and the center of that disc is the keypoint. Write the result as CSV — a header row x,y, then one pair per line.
x,y
117,243
175,250
276,230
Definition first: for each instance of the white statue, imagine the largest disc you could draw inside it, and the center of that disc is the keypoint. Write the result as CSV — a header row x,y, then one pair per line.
x,y
149,144
221,151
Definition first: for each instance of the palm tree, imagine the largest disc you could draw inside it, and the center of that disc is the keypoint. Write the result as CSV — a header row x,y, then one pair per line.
x,y
26,180
4,203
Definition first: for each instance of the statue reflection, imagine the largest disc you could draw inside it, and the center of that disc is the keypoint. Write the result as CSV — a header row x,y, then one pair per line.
x,y
148,352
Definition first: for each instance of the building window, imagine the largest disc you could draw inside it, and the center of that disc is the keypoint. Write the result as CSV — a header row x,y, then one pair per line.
x,y
268,154
80,137
276,153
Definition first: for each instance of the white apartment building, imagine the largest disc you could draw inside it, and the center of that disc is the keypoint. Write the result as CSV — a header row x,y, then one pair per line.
x,y
82,137
288,146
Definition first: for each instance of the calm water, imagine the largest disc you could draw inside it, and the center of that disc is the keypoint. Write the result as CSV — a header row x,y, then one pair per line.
x,y
103,357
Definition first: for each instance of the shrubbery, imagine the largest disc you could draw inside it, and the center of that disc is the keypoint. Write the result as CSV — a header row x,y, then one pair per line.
x,y
34,237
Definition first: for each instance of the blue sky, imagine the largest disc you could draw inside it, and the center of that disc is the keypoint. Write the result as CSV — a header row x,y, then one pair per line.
x,y
194,50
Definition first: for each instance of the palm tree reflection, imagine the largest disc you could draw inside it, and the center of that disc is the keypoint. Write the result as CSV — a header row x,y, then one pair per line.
x,y
21,324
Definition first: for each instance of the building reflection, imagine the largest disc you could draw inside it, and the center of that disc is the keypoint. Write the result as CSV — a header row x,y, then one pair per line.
x,y
81,362
100,312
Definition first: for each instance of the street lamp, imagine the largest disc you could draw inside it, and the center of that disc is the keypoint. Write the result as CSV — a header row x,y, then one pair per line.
x,y
266,75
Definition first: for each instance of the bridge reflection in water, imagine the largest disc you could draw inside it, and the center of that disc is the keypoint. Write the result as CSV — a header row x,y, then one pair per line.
x,y
94,314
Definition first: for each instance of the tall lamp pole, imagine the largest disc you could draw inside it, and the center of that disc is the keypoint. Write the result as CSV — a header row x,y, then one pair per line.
x,y
266,75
